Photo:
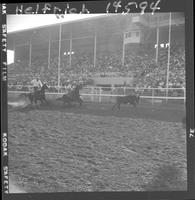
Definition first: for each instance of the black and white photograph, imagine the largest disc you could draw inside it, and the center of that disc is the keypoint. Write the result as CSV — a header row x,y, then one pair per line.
x,y
97,102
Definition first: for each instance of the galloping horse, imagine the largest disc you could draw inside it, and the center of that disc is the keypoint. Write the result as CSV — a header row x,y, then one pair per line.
x,y
37,96
30,96
73,96
131,99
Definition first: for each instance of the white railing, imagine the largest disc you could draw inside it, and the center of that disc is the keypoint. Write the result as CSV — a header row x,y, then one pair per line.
x,y
100,93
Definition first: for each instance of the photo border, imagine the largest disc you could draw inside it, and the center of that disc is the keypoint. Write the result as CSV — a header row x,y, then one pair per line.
x,y
99,7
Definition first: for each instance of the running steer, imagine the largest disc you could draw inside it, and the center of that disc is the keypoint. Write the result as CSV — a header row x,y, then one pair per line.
x,y
131,99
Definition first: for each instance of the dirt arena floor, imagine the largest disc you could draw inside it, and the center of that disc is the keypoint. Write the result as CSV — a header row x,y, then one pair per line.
x,y
92,148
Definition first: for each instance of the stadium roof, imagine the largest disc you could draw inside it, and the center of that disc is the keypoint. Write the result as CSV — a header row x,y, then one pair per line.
x,y
83,27
20,23
102,24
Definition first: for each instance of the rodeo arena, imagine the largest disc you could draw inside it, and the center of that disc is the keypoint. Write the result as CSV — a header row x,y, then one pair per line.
x,y
98,104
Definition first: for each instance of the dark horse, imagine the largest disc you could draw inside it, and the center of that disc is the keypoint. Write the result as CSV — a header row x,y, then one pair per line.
x,y
37,96
131,99
73,96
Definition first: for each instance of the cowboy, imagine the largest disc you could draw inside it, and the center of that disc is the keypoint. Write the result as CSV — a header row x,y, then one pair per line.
x,y
37,84
68,86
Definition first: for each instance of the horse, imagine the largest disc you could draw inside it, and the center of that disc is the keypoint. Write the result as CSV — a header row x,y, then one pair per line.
x,y
28,95
40,94
131,99
73,96
37,96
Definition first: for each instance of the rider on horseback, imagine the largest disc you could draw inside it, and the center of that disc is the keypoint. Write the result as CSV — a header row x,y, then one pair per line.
x,y
70,90
69,87
37,84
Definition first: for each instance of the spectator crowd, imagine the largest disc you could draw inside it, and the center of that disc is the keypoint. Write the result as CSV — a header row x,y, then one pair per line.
x,y
146,71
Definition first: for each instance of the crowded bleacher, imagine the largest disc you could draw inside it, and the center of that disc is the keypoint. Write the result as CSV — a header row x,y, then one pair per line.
x,y
146,71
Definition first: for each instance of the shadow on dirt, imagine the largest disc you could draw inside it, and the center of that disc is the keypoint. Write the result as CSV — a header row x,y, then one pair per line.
x,y
97,109
168,178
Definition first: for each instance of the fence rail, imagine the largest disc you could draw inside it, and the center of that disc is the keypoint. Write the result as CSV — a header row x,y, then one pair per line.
x,y
100,94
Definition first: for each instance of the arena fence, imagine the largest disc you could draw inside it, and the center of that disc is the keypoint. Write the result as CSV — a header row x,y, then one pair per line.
x,y
107,94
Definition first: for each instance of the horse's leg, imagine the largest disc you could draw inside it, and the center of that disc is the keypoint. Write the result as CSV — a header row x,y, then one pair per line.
x,y
41,100
45,100
134,104
80,101
69,103
118,105
114,106
36,101
31,101
64,102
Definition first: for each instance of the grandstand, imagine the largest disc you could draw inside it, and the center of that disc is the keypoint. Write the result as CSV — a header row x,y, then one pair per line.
x,y
148,49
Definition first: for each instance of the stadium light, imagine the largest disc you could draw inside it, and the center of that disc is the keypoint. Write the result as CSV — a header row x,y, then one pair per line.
x,y
167,45
162,45
66,53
